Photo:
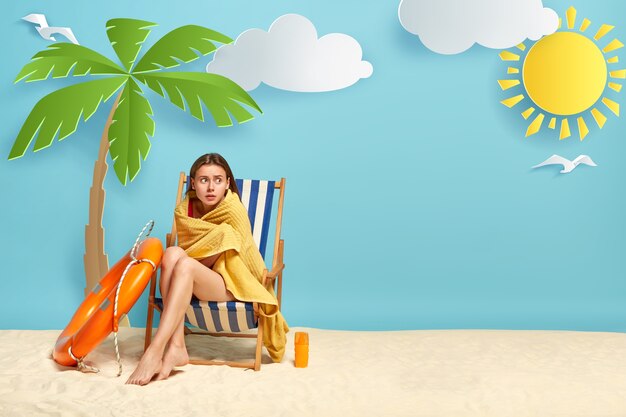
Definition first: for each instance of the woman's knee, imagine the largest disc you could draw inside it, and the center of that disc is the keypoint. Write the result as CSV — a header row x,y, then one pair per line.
x,y
183,267
171,256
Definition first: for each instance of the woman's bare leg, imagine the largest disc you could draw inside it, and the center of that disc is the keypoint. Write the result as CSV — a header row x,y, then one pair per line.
x,y
172,255
212,289
188,277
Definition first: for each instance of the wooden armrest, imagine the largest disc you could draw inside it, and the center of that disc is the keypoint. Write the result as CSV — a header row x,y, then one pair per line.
x,y
275,271
169,240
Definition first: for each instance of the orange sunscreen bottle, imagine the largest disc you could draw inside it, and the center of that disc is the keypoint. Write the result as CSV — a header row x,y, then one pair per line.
x,y
302,349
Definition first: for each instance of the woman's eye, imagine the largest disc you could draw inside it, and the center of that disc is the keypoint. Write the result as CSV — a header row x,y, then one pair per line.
x,y
218,180
203,180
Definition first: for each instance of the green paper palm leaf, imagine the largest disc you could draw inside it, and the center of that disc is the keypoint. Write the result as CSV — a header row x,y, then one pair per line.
x,y
130,131
60,111
129,134
189,90
182,44
62,58
126,37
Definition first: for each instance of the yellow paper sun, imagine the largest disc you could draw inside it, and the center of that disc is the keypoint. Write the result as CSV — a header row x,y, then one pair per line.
x,y
563,76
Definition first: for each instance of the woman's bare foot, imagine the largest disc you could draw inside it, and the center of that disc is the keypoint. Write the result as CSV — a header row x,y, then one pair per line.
x,y
149,365
174,356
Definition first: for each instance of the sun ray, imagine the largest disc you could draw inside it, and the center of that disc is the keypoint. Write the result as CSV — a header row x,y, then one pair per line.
x,y
585,24
526,113
613,106
509,56
618,74
506,84
535,125
560,23
565,133
582,128
552,123
615,86
512,101
571,17
604,29
613,45
521,47
613,60
598,117
512,70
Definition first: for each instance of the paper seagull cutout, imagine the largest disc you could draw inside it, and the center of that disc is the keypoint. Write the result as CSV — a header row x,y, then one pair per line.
x,y
568,166
46,31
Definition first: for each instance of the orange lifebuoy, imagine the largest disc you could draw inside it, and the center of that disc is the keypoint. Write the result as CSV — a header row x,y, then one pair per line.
x,y
93,320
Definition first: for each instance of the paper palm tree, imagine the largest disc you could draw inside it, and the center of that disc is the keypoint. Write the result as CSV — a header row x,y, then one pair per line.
x,y
126,135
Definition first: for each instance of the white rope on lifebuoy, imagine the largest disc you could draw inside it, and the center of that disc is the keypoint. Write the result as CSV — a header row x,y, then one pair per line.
x,y
82,366
134,261
133,253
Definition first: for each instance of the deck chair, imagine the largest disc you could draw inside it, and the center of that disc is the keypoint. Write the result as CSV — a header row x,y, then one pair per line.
x,y
233,318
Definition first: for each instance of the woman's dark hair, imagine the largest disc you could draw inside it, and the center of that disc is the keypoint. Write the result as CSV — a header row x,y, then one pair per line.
x,y
214,159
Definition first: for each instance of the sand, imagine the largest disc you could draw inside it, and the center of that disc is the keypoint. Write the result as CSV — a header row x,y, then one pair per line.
x,y
452,373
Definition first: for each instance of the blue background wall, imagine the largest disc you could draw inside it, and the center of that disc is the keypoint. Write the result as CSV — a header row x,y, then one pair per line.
x,y
410,200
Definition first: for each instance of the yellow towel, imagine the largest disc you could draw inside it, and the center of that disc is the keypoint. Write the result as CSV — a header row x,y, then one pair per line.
x,y
226,230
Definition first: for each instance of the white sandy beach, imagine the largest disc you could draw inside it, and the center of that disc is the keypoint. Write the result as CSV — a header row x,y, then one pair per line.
x,y
452,373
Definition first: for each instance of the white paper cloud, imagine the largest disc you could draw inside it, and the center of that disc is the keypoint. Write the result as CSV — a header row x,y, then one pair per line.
x,y
289,56
453,26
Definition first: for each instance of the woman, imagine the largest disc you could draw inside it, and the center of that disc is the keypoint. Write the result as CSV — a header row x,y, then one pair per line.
x,y
216,260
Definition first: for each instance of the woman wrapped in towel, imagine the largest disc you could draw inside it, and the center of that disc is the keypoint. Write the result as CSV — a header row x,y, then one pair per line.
x,y
216,260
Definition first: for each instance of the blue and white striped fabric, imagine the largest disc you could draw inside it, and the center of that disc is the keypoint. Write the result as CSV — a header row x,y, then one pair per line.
x,y
257,197
215,317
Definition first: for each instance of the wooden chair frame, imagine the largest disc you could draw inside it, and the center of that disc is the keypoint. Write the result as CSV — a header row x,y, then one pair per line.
x,y
273,279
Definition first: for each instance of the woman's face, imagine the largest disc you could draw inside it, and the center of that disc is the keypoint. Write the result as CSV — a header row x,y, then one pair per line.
x,y
210,184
